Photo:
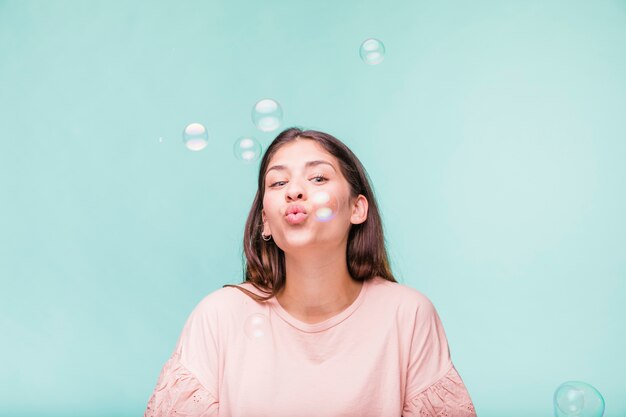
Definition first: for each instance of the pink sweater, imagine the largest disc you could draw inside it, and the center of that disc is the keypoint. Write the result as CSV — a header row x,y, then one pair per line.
x,y
386,355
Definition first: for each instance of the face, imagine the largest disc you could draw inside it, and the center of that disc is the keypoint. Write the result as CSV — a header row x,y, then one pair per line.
x,y
295,176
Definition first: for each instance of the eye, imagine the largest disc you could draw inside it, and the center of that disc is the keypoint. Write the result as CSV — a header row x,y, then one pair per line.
x,y
321,179
318,179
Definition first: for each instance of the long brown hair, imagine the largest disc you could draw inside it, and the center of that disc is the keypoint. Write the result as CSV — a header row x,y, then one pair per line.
x,y
366,253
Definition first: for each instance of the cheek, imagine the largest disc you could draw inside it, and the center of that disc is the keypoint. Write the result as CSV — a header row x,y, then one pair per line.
x,y
268,208
343,199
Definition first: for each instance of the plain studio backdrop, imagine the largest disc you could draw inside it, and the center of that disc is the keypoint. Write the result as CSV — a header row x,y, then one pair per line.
x,y
493,133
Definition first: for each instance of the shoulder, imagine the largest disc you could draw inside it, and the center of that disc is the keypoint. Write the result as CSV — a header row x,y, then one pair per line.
x,y
226,298
408,301
402,293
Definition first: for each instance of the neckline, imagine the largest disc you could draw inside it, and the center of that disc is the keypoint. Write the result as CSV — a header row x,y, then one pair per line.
x,y
323,325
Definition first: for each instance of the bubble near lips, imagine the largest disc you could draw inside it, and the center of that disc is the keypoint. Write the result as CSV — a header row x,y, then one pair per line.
x,y
325,206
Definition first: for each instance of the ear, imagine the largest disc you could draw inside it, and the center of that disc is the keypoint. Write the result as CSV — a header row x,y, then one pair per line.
x,y
266,227
359,210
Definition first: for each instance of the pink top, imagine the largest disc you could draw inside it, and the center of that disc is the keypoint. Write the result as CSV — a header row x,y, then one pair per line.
x,y
386,355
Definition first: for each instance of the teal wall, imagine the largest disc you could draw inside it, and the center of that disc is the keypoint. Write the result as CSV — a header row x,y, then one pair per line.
x,y
493,132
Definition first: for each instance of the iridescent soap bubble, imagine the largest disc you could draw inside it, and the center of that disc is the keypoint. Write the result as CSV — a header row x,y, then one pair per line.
x,y
247,149
577,398
267,115
195,137
372,51
324,206
257,326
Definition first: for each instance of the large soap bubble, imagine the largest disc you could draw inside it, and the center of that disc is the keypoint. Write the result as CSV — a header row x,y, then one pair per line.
x,y
267,115
577,399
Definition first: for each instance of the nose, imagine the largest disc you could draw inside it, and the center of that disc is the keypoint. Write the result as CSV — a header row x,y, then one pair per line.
x,y
294,191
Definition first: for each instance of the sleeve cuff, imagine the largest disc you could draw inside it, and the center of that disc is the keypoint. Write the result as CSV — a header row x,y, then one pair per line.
x,y
446,397
179,393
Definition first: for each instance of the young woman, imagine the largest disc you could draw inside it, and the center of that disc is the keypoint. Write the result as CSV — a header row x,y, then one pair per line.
x,y
319,327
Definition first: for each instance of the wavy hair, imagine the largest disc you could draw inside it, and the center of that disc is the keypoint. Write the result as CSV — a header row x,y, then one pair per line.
x,y
366,253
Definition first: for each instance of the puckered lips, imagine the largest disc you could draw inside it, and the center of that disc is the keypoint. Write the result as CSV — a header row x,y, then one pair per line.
x,y
295,214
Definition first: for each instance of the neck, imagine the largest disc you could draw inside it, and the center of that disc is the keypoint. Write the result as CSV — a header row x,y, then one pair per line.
x,y
318,284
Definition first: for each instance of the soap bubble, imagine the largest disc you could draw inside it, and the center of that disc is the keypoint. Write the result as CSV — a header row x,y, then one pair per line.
x,y
372,51
247,149
571,400
195,137
324,206
257,326
267,115
577,398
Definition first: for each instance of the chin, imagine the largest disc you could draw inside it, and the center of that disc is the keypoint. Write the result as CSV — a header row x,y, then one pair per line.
x,y
294,241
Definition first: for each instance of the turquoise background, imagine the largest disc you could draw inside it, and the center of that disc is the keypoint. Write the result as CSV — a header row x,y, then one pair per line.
x,y
493,132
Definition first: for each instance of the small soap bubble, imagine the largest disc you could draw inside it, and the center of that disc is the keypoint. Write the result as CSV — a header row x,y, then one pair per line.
x,y
372,51
247,149
195,137
577,398
257,326
324,206
267,115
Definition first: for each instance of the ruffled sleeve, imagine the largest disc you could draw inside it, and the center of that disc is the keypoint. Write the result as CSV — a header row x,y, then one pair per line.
x,y
446,397
179,393
188,383
434,388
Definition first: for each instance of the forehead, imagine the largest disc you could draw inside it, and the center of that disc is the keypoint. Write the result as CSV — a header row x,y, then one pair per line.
x,y
298,152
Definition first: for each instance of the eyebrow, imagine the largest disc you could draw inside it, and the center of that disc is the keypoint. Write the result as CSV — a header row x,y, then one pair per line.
x,y
307,165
